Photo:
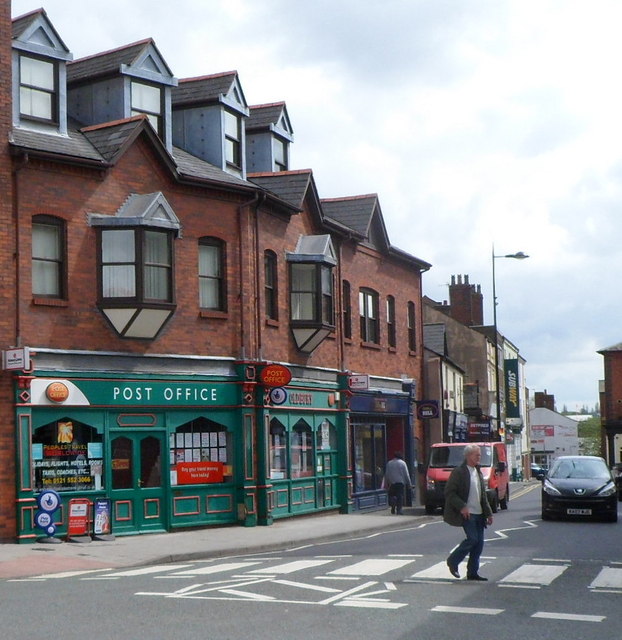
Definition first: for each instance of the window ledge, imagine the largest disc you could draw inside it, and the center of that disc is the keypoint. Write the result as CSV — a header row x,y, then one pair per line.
x,y
392,349
212,313
347,341
412,353
370,345
50,302
271,322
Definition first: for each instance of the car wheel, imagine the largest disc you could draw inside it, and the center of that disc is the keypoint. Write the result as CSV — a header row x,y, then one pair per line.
x,y
545,516
430,509
613,517
503,503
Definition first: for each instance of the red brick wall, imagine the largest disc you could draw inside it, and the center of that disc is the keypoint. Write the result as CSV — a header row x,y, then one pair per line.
x,y
612,409
73,193
7,285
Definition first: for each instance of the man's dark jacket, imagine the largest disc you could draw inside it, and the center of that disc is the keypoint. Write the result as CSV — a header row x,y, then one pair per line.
x,y
457,494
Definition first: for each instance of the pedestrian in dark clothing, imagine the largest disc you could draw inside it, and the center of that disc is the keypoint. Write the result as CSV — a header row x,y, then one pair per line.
x,y
466,506
396,479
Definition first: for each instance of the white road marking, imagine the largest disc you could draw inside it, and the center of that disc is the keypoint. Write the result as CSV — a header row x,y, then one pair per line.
x,y
216,568
439,571
538,575
371,567
473,610
62,574
143,571
575,617
608,578
290,567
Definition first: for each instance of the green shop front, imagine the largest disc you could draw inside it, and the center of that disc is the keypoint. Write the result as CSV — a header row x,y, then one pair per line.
x,y
177,451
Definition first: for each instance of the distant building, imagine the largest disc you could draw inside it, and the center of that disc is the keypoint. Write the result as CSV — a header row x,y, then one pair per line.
x,y
552,435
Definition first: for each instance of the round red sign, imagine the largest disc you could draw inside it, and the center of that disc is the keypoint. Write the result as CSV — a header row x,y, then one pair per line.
x,y
57,392
275,375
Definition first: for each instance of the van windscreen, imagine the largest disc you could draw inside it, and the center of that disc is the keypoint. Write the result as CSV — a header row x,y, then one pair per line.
x,y
453,456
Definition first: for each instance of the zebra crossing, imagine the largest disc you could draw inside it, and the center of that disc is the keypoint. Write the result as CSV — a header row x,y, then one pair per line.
x,y
345,581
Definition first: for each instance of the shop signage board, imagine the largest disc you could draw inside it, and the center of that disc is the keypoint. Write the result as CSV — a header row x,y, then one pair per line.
x,y
49,502
200,472
358,382
275,375
78,517
427,409
102,522
146,393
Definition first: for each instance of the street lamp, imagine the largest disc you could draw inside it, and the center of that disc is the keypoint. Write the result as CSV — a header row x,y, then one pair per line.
x,y
517,256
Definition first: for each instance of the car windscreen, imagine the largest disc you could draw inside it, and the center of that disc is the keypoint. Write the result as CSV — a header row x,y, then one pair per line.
x,y
577,468
441,457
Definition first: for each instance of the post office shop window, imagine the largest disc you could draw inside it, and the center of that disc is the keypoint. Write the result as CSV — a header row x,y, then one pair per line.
x,y
278,450
212,270
303,457
67,456
48,257
38,89
200,440
326,436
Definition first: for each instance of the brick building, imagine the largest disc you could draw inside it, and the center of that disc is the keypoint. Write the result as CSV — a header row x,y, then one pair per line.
x,y
611,404
193,327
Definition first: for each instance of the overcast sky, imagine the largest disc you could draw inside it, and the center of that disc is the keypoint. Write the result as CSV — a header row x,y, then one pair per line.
x,y
476,122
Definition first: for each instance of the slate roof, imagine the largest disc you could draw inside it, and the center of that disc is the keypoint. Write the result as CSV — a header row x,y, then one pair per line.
x,y
290,186
615,347
434,338
263,115
353,212
74,145
109,62
110,138
21,23
193,167
203,89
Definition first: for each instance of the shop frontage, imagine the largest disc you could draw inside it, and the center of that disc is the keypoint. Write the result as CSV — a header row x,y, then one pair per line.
x,y
180,451
381,424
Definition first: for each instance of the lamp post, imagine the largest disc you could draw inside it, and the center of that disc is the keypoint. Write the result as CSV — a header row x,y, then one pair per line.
x,y
517,256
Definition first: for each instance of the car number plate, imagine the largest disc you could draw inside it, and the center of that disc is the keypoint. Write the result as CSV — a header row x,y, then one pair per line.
x,y
579,512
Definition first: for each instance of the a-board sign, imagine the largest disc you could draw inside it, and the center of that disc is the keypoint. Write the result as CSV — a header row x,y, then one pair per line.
x,y
78,517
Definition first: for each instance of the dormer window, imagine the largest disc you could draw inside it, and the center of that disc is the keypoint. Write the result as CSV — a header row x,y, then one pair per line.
x,y
136,258
312,315
280,155
147,99
233,139
38,89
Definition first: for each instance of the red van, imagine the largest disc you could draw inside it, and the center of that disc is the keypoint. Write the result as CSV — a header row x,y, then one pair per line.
x,y
445,456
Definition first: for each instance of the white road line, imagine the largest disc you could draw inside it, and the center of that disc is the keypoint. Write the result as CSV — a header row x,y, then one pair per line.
x,y
361,604
534,574
303,585
473,610
290,567
371,567
608,578
574,617
216,568
62,574
439,571
143,571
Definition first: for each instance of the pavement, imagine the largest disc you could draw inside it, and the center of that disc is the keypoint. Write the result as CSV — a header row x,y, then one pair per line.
x,y
39,559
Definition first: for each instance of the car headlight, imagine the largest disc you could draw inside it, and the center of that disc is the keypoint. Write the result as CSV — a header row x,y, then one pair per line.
x,y
547,487
430,485
608,490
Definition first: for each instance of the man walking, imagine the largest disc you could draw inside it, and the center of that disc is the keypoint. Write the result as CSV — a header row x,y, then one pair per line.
x,y
466,506
396,479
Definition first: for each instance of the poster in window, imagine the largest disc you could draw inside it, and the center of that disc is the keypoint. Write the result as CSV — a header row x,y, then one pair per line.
x,y
222,438
187,440
196,439
180,440
204,439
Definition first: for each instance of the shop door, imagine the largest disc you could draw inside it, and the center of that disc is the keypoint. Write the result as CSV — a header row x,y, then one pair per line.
x,y
137,482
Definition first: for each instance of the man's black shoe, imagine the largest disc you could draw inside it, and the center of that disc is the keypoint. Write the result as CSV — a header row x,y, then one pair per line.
x,y
478,578
453,569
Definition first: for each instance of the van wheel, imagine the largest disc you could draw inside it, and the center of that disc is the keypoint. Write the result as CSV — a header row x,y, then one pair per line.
x,y
494,503
503,503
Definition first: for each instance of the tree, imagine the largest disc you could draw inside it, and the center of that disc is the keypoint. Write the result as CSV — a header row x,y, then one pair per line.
x,y
589,435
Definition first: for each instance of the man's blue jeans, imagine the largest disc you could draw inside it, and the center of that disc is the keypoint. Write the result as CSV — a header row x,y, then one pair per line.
x,y
472,545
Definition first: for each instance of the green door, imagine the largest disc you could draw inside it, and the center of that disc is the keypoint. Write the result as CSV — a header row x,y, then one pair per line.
x,y
137,481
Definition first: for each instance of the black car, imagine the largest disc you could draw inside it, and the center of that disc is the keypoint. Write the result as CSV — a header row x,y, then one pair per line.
x,y
579,486
538,472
